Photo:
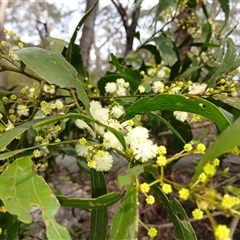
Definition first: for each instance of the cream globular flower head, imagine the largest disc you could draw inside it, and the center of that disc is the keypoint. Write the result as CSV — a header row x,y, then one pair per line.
x,y
51,89
22,110
117,111
196,88
180,116
118,88
98,112
143,148
158,87
145,151
103,159
110,141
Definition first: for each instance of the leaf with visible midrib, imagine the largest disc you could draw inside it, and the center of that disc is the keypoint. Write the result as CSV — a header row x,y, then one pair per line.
x,y
174,102
21,188
54,69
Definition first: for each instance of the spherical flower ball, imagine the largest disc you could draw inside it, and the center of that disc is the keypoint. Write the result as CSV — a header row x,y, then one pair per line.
x,y
196,88
110,141
117,111
104,160
111,87
145,150
180,116
136,136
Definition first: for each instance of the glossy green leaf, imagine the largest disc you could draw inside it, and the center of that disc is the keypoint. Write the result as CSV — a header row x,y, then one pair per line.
x,y
127,179
227,63
6,155
232,101
99,217
226,9
91,203
131,76
224,142
170,127
173,102
189,71
176,212
126,216
11,134
75,33
109,77
53,68
21,188
56,44
48,65
9,226
77,62
154,51
166,49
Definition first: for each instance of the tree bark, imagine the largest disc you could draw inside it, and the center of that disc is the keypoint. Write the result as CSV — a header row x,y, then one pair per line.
x,y
88,33
130,29
3,7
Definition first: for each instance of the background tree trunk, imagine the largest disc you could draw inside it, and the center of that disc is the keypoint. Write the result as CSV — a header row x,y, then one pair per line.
x,y
130,28
3,7
88,33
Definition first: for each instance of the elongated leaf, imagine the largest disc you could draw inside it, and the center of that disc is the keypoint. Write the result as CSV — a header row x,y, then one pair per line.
x,y
227,63
226,9
176,212
132,173
53,68
126,215
21,188
109,77
57,45
48,65
75,33
152,49
99,217
166,49
11,134
224,142
9,226
173,102
171,128
189,71
91,203
131,76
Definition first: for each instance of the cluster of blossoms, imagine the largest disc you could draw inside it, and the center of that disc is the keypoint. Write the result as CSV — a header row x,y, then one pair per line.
x,y
27,104
14,43
208,199
118,88
139,146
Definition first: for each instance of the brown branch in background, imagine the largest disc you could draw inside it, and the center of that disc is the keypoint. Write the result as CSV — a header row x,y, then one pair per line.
x,y
88,33
3,7
129,29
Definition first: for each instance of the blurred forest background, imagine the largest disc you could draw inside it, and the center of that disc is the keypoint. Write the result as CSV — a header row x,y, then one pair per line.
x,y
116,26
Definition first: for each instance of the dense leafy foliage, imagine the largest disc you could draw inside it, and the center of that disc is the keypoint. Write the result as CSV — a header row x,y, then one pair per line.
x,y
159,87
